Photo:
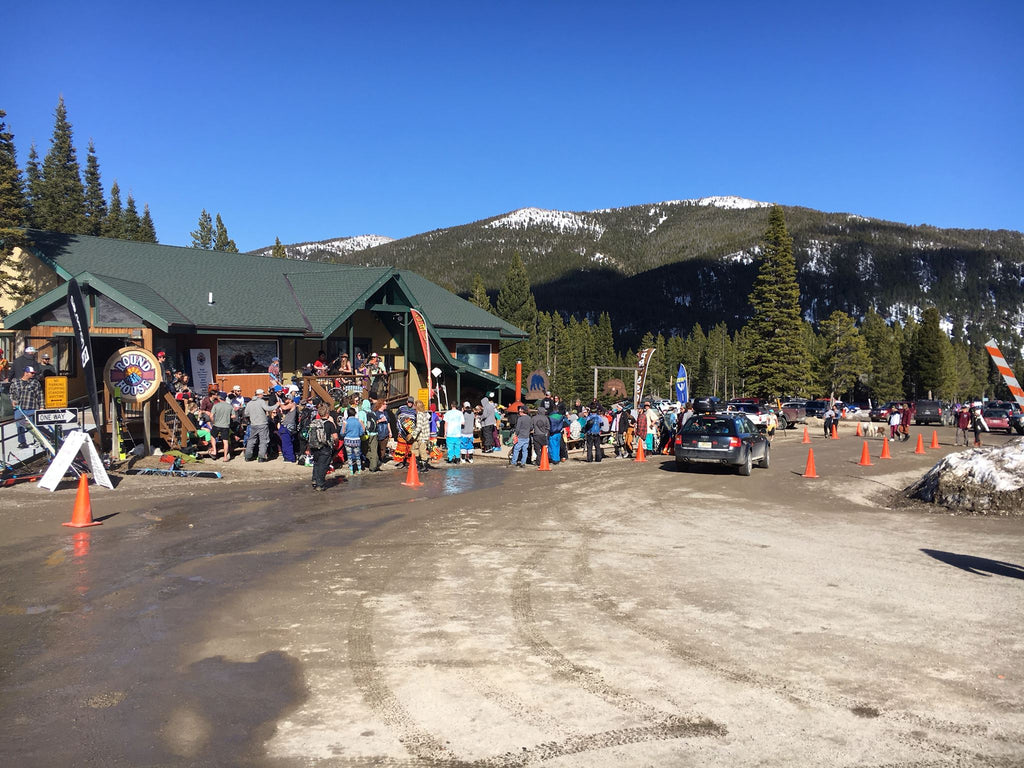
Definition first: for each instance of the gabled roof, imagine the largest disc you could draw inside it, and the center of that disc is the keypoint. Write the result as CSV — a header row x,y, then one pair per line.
x,y
445,310
171,287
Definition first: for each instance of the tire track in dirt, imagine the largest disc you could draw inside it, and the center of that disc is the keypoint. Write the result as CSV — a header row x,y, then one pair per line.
x,y
606,604
592,682
368,673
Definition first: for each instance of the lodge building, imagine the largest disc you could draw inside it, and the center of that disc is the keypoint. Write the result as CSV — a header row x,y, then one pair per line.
x,y
242,310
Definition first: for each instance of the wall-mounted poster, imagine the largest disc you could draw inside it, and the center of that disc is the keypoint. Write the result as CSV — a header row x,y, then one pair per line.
x,y
244,355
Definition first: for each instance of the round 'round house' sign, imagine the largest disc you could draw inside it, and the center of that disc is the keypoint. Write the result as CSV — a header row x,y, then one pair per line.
x,y
135,372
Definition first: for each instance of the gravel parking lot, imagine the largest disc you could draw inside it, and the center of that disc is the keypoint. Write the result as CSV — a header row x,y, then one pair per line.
x,y
613,614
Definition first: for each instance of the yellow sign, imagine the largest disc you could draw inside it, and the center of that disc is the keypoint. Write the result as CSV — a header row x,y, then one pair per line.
x,y
423,397
56,391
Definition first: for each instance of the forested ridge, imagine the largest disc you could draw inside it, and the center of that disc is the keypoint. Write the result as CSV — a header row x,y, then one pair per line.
x,y
664,267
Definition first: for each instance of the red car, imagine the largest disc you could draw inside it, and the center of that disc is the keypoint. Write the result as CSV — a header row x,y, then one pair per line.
x,y
997,418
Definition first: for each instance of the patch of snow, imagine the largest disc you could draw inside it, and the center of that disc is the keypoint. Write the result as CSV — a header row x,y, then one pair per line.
x,y
818,256
562,221
740,257
855,217
341,246
731,202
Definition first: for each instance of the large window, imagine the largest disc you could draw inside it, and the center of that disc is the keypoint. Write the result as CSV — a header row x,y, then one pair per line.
x,y
244,355
477,355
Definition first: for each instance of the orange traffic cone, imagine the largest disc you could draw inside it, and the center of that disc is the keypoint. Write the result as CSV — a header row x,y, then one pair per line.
x,y
545,463
860,433
885,449
81,515
809,470
412,475
835,432
640,455
935,439
920,444
807,436
865,456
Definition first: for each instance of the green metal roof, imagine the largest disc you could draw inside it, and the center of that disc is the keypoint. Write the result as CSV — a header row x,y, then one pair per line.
x,y
171,286
446,310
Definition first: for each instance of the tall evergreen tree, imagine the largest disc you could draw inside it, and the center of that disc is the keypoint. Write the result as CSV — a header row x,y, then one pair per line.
x,y
202,236
62,198
517,305
478,294
778,359
604,342
95,204
131,223
886,380
147,232
13,205
846,357
33,186
113,222
13,215
221,241
278,252
928,360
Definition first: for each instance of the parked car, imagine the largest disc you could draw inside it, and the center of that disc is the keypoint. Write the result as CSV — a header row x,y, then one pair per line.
x,y
881,412
997,418
815,408
793,413
1017,422
722,438
927,412
756,412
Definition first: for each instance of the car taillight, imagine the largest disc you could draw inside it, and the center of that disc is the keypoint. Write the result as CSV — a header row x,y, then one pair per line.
x,y
735,442
940,411
679,440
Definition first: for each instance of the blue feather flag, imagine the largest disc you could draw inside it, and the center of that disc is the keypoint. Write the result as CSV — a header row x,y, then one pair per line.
x,y
682,385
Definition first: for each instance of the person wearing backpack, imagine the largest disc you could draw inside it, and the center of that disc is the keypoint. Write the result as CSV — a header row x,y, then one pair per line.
x,y
321,440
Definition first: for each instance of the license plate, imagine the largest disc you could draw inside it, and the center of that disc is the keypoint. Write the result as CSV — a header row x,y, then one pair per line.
x,y
703,443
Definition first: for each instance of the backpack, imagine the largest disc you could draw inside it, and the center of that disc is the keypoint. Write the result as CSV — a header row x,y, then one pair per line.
x,y
317,434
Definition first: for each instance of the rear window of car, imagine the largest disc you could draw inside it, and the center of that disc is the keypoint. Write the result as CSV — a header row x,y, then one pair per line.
x,y
996,413
711,426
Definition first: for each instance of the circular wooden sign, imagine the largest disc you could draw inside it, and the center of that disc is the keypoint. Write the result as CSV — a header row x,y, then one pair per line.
x,y
135,372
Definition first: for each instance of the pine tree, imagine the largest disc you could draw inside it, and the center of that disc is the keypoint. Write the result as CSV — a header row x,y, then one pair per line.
x,y
130,221
147,232
33,186
928,359
61,206
846,357
13,205
778,359
113,222
278,251
221,241
202,236
886,380
604,342
478,294
518,307
95,205
14,282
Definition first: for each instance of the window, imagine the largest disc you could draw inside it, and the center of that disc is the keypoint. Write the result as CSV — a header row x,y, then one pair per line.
x,y
108,312
244,355
477,355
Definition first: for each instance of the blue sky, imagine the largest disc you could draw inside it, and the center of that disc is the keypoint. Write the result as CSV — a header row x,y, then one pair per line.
x,y
313,120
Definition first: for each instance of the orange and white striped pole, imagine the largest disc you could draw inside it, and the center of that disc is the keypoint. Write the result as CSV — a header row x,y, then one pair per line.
x,y
1004,369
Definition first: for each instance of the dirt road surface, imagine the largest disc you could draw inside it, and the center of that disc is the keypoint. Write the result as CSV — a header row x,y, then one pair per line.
x,y
619,614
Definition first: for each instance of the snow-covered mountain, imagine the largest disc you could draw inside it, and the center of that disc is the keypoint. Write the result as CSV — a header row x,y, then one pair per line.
x,y
340,246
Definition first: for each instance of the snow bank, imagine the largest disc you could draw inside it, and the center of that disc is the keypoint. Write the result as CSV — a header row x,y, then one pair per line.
x,y
982,481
